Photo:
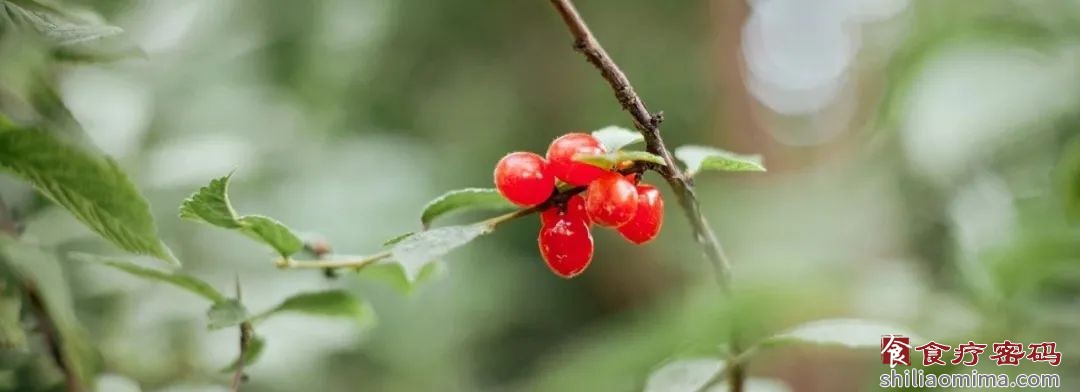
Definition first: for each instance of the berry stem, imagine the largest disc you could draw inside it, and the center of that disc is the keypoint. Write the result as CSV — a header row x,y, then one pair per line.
x,y
649,125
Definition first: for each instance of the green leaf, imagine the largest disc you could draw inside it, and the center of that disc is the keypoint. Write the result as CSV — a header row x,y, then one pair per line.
x,y
226,313
684,375
183,281
698,158
614,138
398,238
34,269
254,350
73,36
1069,179
92,188
55,26
334,303
851,333
393,275
211,205
424,247
12,336
609,160
464,199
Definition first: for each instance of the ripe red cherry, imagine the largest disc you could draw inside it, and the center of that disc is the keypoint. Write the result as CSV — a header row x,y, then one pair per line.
x,y
566,244
560,156
524,178
575,208
611,200
649,217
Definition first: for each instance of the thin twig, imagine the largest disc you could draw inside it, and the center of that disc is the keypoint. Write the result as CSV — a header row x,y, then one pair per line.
x,y
247,331
649,126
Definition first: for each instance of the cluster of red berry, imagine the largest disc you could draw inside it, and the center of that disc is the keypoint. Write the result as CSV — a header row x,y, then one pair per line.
x,y
611,199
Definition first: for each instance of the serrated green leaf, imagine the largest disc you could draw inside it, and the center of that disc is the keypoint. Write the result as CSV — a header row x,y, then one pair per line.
x,y
398,238
698,158
55,26
211,205
684,375
254,351
333,303
92,188
73,37
226,313
614,138
183,281
424,247
464,199
851,333
609,160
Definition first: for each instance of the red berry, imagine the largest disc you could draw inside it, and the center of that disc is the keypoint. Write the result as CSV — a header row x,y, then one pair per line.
x,y
575,208
612,200
649,217
566,245
524,178
561,153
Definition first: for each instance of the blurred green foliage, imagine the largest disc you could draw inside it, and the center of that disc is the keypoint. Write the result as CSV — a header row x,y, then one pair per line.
x,y
946,204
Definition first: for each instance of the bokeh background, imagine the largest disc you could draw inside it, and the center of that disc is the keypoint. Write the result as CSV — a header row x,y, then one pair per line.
x,y
923,155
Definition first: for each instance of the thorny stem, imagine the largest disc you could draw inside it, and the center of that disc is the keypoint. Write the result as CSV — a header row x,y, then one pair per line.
x,y
649,126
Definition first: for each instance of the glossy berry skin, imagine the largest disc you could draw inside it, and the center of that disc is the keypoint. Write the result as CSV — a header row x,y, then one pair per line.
x,y
560,156
611,200
524,178
565,244
575,207
649,217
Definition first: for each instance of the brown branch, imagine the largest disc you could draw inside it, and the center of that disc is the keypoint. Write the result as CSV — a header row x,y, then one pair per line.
x,y
247,332
649,126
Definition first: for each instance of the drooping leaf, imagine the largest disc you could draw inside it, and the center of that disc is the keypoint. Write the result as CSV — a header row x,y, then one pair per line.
x,y
418,250
684,375
614,138
94,189
226,313
211,205
254,350
698,158
609,160
464,199
181,280
851,333
271,232
333,303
